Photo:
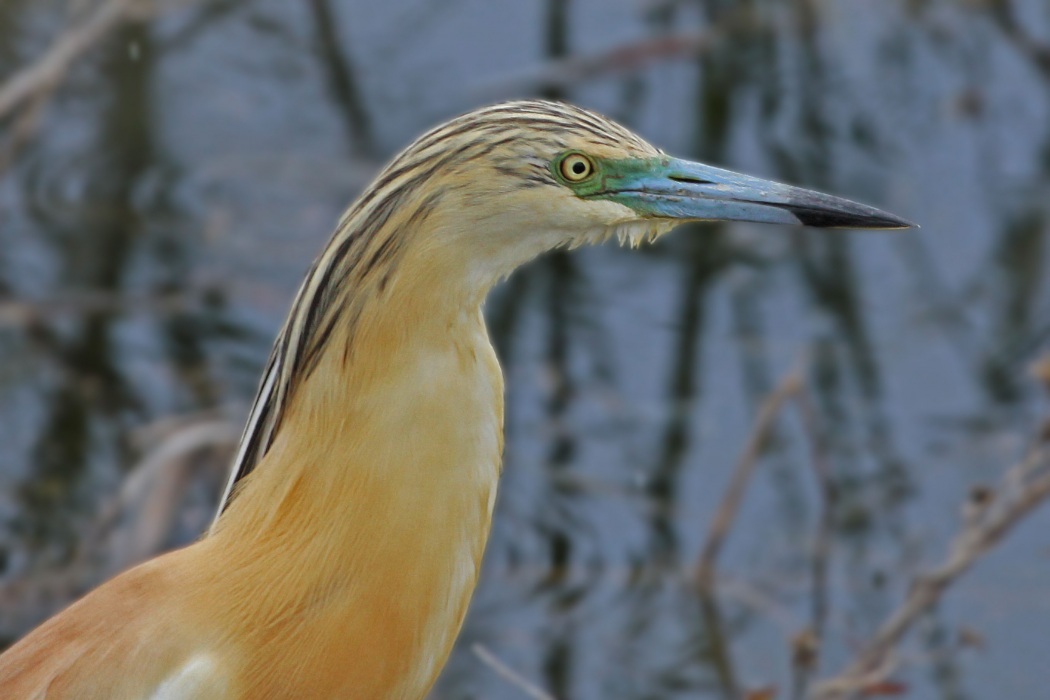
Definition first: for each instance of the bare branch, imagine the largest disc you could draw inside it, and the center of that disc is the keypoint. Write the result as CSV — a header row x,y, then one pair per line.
x,y
53,65
134,524
745,466
19,312
807,644
24,127
154,488
508,674
989,517
565,72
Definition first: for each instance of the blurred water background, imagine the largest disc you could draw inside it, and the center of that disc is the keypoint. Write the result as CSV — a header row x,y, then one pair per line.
x,y
159,205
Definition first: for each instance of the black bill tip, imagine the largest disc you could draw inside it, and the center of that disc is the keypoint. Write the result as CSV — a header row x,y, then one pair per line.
x,y
856,216
828,211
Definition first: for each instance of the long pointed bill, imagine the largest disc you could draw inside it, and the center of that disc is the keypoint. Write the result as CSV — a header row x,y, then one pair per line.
x,y
679,189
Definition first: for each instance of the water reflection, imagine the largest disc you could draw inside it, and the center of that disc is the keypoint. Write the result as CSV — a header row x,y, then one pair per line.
x,y
154,228
92,233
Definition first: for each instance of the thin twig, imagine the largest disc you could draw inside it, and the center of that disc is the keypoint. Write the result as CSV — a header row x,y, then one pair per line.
x,y
508,674
563,73
828,496
26,312
135,523
155,487
25,126
47,71
1023,488
808,643
745,466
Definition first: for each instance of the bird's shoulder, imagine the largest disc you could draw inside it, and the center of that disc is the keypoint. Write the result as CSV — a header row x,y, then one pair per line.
x,y
123,640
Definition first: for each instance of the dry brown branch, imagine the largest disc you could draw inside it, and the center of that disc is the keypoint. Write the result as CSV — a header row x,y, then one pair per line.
x,y
24,128
134,524
49,70
154,489
566,72
989,516
807,644
745,466
630,57
25,312
508,674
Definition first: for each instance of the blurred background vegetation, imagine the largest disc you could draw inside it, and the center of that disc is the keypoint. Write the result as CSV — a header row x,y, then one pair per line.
x,y
168,172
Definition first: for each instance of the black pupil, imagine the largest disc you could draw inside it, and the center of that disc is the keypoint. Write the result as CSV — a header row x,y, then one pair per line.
x,y
579,167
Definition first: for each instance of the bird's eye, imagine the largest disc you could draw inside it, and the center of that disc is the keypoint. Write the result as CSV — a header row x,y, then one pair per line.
x,y
576,167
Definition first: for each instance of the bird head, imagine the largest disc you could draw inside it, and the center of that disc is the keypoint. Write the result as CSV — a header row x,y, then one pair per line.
x,y
500,185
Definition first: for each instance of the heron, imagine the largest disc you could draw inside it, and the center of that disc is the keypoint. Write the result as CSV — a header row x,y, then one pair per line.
x,y
351,532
